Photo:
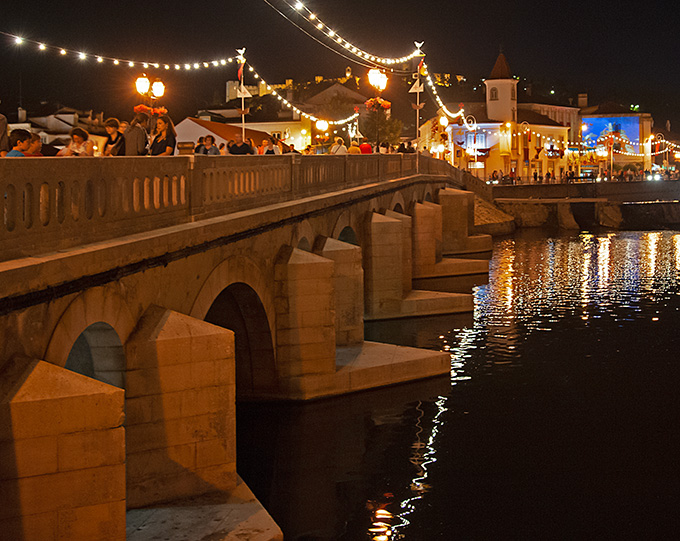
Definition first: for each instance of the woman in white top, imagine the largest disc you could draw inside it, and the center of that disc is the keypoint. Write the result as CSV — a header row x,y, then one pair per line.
x,y
270,147
339,146
80,144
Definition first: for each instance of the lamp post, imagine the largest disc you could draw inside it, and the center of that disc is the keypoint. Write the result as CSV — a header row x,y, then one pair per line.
x,y
526,128
151,90
444,123
378,80
471,125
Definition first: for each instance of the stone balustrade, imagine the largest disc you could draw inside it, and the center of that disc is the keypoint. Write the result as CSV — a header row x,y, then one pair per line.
x,y
51,204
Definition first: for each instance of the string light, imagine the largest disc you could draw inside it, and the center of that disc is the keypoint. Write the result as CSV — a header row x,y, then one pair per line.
x,y
336,38
297,110
435,94
102,59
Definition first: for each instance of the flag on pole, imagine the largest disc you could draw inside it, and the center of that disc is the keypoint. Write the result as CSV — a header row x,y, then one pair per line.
x,y
417,88
242,92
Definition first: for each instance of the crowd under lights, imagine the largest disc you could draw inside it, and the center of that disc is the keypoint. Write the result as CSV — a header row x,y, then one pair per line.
x,y
177,66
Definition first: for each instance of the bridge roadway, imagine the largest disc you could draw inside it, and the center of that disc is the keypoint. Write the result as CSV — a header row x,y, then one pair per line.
x,y
140,296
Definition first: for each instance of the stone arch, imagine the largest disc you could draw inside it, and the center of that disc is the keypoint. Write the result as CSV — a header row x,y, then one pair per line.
x,y
349,236
239,309
303,236
100,311
398,204
98,353
343,221
236,296
304,244
426,193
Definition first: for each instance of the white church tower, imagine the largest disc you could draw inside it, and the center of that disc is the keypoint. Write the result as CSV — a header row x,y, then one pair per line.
x,y
501,92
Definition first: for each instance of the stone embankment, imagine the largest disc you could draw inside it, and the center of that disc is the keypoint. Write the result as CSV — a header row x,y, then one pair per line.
x,y
631,205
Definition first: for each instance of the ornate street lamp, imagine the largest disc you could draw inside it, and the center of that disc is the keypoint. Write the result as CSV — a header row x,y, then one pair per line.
x,y
151,90
378,80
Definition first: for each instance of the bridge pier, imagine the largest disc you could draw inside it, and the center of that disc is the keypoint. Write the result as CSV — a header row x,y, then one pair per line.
x,y
432,271
458,222
62,454
180,404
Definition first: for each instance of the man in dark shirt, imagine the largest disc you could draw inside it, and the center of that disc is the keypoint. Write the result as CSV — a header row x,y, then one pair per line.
x,y
239,147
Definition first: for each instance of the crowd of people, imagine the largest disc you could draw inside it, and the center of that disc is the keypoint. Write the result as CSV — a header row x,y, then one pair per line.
x,y
144,135
156,136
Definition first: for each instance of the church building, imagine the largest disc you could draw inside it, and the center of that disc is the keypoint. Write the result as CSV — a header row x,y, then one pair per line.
x,y
504,139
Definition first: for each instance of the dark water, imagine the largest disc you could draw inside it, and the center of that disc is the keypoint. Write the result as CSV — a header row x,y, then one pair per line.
x,y
561,419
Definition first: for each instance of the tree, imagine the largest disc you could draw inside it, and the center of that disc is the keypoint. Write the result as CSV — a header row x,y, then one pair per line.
x,y
377,123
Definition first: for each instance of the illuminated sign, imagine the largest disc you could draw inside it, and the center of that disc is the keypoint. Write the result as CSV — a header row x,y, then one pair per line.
x,y
623,130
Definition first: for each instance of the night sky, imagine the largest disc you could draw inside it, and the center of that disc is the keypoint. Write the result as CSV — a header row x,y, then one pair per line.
x,y
623,51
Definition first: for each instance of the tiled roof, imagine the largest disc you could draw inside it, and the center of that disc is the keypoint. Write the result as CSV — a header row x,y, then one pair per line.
x,y
501,69
229,131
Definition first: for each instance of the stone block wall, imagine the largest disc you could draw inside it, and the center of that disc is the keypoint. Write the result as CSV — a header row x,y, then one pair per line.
x,y
425,219
348,287
181,438
383,276
406,249
62,455
305,315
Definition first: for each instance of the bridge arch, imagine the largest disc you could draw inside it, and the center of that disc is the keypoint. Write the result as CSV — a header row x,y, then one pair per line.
x,y
96,324
235,296
398,204
347,228
98,353
303,236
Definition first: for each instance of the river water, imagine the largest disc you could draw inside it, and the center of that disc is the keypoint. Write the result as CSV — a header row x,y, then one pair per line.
x,y
561,418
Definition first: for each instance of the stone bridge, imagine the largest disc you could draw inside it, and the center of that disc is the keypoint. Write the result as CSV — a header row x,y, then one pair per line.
x,y
139,297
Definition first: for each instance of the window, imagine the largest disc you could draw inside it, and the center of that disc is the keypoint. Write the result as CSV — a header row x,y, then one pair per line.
x,y
481,140
513,93
493,94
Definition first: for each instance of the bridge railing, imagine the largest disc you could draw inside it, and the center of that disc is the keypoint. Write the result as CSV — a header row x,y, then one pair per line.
x,y
51,204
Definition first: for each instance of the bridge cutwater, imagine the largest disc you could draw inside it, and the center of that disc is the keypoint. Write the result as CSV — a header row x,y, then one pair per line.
x,y
141,297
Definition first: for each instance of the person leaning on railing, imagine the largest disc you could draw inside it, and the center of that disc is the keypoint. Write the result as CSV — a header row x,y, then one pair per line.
x,y
19,140
166,137
80,145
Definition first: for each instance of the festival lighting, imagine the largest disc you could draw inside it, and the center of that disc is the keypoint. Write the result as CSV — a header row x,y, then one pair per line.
x,y
378,79
158,89
435,94
65,51
336,38
297,110
142,84
152,90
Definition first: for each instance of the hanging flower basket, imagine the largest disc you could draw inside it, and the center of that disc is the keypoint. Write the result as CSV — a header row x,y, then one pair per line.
x,y
375,104
141,108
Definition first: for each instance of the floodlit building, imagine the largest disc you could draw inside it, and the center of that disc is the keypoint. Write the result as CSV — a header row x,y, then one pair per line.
x,y
503,139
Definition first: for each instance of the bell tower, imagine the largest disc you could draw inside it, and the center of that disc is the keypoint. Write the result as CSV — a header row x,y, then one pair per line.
x,y
501,92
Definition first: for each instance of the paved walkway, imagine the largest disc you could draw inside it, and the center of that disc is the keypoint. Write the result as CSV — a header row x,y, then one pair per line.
x,y
213,517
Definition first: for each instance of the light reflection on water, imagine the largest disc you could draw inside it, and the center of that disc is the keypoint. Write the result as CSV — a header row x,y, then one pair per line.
x,y
570,352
